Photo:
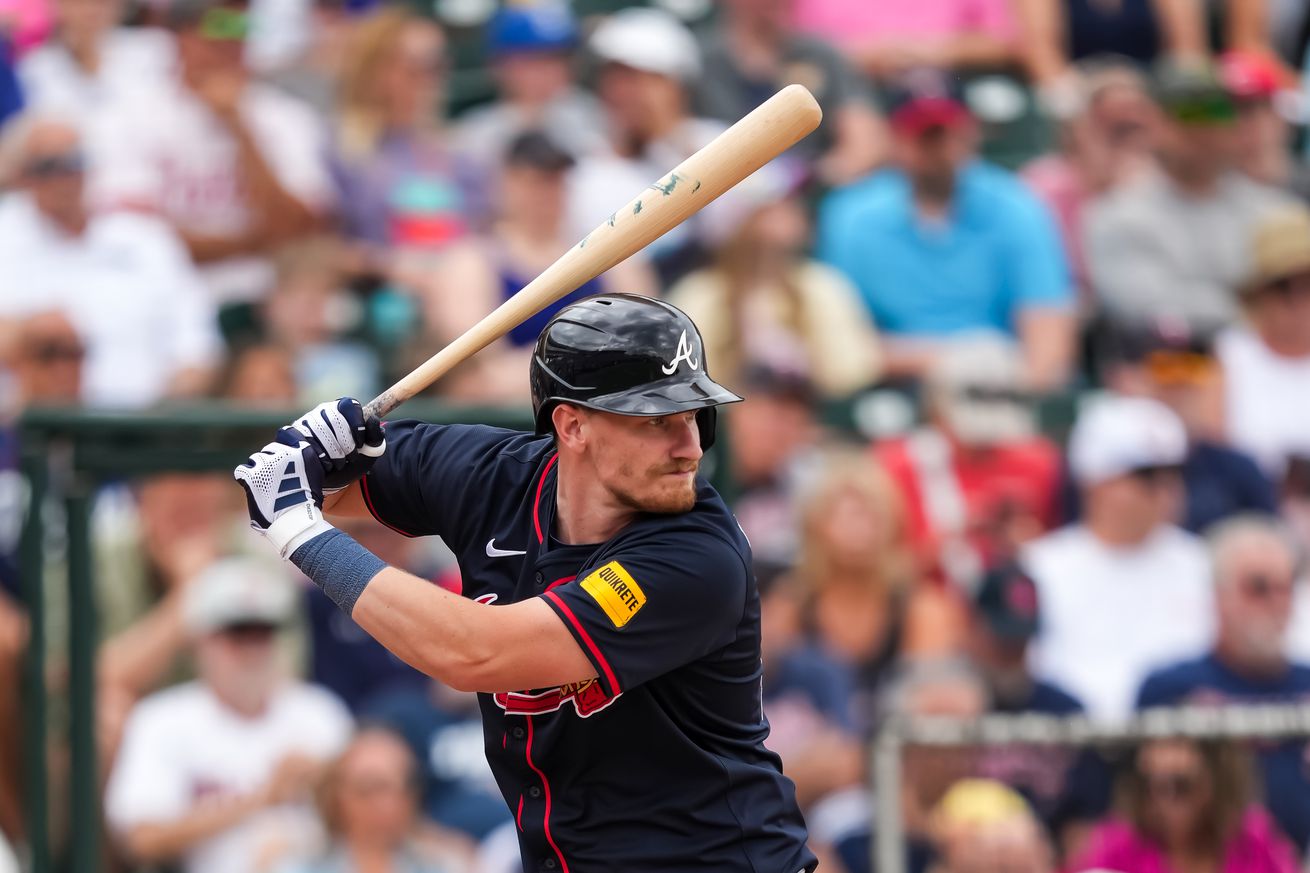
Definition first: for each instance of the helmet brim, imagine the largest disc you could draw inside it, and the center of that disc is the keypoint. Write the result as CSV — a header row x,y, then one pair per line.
x,y
663,398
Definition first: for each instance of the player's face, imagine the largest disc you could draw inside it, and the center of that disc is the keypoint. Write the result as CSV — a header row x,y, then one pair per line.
x,y
648,463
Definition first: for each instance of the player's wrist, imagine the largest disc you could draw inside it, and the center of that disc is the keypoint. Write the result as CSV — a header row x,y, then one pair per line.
x,y
338,565
292,529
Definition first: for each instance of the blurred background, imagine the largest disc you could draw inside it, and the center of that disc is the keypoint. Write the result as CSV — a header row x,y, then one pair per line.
x,y
1024,330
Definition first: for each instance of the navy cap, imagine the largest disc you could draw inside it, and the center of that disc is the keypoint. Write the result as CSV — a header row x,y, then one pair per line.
x,y
1007,602
531,27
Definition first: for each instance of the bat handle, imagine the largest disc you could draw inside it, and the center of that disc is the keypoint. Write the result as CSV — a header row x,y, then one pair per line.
x,y
381,405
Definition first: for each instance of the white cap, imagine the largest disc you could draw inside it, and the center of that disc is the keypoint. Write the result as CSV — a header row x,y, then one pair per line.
x,y
237,591
976,385
650,40
1117,435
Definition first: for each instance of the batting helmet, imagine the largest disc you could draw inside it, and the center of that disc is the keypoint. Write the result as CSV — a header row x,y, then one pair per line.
x,y
626,354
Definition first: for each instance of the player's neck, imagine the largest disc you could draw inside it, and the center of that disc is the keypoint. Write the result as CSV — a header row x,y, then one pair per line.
x,y
585,511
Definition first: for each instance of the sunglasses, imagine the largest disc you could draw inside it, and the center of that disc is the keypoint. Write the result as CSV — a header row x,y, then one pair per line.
x,y
225,25
985,394
1258,586
1287,288
53,166
1177,785
248,632
56,352
1155,474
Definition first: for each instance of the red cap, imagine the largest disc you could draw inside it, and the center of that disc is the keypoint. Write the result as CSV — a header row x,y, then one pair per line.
x,y
1250,75
924,113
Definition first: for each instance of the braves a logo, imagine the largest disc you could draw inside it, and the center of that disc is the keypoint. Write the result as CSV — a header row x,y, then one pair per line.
x,y
683,353
587,697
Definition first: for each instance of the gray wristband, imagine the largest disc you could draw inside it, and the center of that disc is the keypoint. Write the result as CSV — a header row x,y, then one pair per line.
x,y
339,566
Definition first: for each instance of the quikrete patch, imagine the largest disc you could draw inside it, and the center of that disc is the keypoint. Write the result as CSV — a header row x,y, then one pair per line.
x,y
616,591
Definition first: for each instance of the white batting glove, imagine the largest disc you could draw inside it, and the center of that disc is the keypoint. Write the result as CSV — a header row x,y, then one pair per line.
x,y
283,483
344,441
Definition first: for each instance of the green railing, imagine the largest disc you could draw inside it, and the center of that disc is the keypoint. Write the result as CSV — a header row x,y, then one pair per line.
x,y
66,455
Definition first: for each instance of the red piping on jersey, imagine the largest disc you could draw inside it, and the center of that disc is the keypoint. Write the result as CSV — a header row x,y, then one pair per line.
x,y
368,501
558,582
518,818
545,786
615,691
536,504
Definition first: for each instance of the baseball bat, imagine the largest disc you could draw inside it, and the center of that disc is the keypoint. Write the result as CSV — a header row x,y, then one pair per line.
x,y
771,128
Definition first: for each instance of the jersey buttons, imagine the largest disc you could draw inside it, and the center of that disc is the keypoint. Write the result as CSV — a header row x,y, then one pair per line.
x,y
518,733
541,580
549,864
534,792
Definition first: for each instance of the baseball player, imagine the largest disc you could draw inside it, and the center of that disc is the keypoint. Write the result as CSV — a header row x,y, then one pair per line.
x,y
609,618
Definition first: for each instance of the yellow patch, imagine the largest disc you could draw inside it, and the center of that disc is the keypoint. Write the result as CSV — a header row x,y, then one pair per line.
x,y
616,591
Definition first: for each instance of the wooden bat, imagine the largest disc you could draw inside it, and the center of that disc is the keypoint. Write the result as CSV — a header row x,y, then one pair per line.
x,y
770,129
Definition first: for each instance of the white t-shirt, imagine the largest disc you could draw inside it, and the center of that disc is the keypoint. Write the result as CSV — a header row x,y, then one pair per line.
x,y
181,747
131,59
1268,399
127,284
1109,616
171,154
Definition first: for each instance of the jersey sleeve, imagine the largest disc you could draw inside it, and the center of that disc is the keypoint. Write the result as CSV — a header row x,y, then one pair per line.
x,y
655,607
427,482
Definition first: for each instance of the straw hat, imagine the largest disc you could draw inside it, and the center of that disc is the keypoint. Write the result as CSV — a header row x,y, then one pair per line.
x,y
1280,248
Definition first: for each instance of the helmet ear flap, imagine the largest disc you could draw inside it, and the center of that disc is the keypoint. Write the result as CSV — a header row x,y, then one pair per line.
x,y
706,421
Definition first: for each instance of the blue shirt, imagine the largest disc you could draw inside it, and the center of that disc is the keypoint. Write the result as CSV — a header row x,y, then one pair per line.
x,y
997,253
1285,767
659,762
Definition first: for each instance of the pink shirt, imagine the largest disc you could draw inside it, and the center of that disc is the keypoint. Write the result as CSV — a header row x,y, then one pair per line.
x,y
29,22
1258,847
862,22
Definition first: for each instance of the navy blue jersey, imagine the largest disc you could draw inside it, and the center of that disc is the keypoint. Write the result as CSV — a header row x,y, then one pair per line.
x,y
659,763
1284,766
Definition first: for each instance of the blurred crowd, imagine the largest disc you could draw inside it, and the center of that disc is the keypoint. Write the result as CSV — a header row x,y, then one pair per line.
x,y
1023,327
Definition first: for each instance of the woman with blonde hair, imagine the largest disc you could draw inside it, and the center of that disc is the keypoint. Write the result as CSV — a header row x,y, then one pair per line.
x,y
866,602
399,186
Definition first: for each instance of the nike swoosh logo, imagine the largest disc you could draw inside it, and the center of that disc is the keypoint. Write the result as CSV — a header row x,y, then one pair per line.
x,y
493,552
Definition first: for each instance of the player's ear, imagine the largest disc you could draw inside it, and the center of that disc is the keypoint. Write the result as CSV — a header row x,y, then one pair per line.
x,y
570,426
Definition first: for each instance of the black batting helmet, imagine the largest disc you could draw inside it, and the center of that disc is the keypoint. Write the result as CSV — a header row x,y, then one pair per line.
x,y
626,354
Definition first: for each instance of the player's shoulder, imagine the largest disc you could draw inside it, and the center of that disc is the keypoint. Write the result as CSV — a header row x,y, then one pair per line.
x,y
470,442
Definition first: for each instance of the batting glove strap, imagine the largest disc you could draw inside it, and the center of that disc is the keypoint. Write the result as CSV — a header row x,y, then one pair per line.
x,y
295,527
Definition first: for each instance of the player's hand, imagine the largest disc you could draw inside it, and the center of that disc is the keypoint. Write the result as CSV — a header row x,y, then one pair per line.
x,y
344,441
284,491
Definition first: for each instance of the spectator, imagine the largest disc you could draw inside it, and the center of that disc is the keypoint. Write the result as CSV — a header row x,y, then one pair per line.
x,y
1174,244
236,166
763,299
982,826
310,313
260,375
369,805
1167,362
11,90
1189,805
1124,590
1264,135
922,688
886,39
530,49
807,697
478,275
772,444
1104,143
865,603
756,51
944,244
215,775
978,480
648,65
1255,565
443,730
1059,33
1266,361
91,60
400,188
124,279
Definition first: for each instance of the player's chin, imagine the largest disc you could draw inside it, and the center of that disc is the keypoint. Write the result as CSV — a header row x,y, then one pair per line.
x,y
672,497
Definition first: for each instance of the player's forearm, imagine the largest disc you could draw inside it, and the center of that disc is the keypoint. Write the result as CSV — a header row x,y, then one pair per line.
x,y
154,843
427,627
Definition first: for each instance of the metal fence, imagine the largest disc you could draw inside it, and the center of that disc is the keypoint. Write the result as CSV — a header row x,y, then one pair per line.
x,y
1269,722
